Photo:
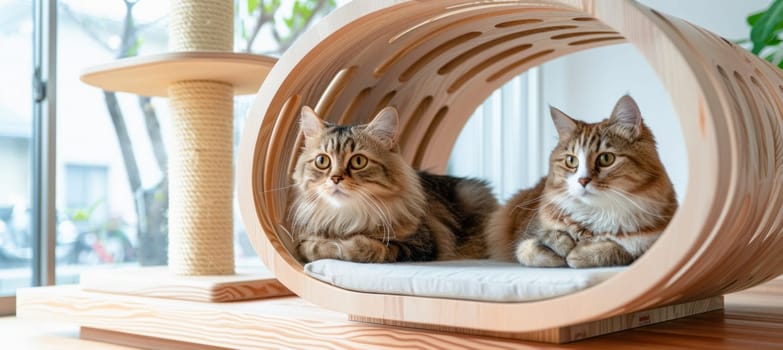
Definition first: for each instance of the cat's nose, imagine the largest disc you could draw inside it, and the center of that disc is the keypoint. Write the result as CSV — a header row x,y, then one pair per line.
x,y
584,181
337,178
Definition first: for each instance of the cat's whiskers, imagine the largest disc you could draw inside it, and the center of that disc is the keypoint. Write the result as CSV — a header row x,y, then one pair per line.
x,y
626,196
525,205
309,201
645,198
297,206
304,210
279,188
288,233
385,216
556,200
388,226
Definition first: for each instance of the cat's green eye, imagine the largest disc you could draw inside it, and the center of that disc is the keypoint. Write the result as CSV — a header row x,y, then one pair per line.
x,y
322,161
571,162
605,159
358,162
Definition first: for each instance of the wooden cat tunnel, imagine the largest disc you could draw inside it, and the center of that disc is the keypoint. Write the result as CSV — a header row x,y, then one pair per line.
x,y
436,61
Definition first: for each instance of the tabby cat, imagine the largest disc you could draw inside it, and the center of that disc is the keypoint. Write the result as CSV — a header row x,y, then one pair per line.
x,y
605,201
356,199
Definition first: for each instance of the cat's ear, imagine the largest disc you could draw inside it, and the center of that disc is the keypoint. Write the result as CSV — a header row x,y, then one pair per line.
x,y
626,118
384,126
563,123
311,125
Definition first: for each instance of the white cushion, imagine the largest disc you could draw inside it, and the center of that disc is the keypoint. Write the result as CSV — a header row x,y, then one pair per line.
x,y
483,280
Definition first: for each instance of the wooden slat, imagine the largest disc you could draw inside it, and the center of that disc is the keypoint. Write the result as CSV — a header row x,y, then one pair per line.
x,y
580,331
138,341
255,283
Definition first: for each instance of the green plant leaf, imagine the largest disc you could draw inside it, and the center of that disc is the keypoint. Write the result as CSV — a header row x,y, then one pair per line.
x,y
134,49
252,5
765,27
80,215
753,18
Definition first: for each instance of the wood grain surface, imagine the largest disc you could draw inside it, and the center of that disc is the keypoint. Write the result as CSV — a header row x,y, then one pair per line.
x,y
151,75
581,331
246,284
752,319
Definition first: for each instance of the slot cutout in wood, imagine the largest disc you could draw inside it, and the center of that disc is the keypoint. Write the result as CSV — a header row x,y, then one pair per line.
x,y
334,90
457,84
517,64
595,40
434,53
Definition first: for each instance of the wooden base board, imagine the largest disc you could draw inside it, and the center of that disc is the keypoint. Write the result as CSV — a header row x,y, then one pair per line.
x,y
277,323
584,330
139,341
286,322
157,282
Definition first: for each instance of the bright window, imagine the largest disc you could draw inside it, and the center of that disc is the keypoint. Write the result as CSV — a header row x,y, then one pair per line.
x,y
16,128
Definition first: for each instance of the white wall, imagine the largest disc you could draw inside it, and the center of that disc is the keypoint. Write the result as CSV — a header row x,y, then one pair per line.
x,y
586,85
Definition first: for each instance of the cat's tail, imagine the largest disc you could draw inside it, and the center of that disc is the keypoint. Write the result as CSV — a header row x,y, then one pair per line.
x,y
477,204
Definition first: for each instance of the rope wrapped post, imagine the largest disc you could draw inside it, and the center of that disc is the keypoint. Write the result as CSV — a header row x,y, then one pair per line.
x,y
201,161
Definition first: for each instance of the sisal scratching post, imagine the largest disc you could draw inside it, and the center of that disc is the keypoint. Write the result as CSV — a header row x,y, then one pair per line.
x,y
201,169
200,75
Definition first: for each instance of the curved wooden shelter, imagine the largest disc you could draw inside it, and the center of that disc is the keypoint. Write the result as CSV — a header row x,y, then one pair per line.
x,y
436,61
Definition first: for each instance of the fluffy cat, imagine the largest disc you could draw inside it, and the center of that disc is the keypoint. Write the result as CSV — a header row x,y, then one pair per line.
x,y
605,201
357,199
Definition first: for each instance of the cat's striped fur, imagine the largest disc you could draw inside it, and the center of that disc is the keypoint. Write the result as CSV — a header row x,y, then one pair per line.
x,y
605,201
368,205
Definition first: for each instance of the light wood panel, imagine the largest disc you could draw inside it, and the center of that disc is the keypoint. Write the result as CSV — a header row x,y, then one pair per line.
x,y
422,57
752,320
151,75
138,341
158,282
281,323
581,331
25,334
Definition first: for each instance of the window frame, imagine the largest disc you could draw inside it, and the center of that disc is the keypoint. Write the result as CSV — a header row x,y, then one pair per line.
x,y
43,153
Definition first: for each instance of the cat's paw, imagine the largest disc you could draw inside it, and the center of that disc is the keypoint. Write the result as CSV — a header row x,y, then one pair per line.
x,y
596,254
559,242
531,252
360,248
312,250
